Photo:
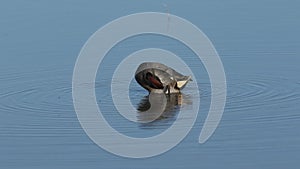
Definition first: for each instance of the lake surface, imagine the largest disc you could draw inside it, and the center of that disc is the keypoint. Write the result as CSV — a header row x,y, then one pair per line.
x,y
258,43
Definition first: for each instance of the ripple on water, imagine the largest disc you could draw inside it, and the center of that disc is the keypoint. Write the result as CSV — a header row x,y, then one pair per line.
x,y
28,96
263,93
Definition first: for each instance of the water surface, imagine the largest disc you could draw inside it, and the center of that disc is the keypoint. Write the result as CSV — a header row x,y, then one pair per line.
x,y
258,43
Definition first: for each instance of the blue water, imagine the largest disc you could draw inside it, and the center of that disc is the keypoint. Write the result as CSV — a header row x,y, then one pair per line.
x,y
259,45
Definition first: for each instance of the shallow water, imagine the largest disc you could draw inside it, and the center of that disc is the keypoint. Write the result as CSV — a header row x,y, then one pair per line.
x,y
258,43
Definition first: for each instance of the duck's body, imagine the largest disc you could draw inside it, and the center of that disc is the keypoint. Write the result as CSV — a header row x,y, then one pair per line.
x,y
158,78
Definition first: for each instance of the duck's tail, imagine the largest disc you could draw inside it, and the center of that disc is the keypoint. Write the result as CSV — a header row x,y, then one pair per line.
x,y
181,83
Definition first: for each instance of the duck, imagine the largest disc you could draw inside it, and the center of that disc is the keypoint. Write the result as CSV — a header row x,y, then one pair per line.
x,y
159,78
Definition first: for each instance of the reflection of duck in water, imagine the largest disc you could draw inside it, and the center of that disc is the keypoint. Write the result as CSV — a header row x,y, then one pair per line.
x,y
158,78
159,106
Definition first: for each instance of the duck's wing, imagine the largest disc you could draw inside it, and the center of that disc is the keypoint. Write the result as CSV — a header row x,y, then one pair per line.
x,y
181,80
151,65
160,68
